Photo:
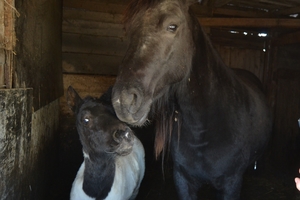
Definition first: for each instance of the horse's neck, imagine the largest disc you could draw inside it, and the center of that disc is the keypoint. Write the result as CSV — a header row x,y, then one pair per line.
x,y
208,78
98,176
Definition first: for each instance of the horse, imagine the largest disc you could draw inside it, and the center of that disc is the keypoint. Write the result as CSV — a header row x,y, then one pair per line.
x,y
114,162
213,122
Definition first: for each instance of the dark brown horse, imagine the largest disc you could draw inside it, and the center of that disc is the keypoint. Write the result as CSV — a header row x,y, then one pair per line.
x,y
216,122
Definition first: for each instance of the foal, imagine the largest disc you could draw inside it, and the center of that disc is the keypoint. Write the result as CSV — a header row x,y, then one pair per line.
x,y
114,163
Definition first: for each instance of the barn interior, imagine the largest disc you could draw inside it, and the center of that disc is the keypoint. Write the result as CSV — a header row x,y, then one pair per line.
x,y
46,46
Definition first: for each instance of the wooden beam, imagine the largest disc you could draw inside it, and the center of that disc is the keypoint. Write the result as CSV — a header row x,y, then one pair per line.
x,y
207,11
81,14
289,11
240,13
250,22
276,3
107,7
219,3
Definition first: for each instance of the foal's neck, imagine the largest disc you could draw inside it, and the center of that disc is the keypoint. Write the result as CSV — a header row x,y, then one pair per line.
x,y
99,175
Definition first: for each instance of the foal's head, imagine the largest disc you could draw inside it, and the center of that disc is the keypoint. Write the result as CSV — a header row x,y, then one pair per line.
x,y
99,129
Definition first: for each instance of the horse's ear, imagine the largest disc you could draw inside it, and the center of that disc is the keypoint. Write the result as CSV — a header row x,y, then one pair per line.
x,y
73,99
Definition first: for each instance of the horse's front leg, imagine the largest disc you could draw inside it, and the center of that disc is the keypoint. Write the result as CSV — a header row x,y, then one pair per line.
x,y
186,187
230,187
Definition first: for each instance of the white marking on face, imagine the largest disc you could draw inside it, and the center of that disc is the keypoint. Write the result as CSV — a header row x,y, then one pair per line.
x,y
85,155
144,47
118,101
126,134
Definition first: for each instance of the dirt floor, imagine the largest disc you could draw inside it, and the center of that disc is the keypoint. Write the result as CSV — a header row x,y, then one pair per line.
x,y
271,184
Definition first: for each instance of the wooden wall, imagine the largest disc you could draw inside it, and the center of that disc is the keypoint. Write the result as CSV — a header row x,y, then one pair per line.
x,y
93,38
93,45
285,90
38,50
29,105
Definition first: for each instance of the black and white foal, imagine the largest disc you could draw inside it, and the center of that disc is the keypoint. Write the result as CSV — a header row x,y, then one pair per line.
x,y
114,162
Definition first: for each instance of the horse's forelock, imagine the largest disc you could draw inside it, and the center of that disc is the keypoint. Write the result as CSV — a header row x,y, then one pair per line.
x,y
135,6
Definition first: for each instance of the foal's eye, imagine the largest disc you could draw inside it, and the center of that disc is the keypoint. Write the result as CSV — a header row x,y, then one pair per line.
x,y
86,120
172,28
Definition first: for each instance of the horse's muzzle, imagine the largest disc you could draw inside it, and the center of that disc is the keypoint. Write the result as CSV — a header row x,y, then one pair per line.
x,y
131,106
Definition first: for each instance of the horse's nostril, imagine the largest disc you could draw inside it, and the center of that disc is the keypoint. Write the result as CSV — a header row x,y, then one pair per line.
x,y
131,98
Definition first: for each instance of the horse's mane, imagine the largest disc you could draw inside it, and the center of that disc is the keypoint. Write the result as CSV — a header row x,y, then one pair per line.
x,y
166,117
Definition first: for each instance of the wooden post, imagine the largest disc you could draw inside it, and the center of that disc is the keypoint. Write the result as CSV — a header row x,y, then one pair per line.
x,y
7,41
15,137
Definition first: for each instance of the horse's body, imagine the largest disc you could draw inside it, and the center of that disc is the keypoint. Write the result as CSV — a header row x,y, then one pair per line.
x,y
217,123
113,165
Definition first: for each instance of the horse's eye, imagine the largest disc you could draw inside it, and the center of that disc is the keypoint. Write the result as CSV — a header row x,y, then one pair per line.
x,y
172,28
86,120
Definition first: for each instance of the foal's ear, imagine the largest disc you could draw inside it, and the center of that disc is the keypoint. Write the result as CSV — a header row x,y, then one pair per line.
x,y
73,99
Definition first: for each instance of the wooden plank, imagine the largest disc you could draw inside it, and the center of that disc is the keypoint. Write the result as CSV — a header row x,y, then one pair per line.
x,y
248,59
290,38
204,11
289,11
287,57
255,5
93,28
76,63
15,140
71,14
2,64
240,13
286,130
1,24
290,74
250,22
114,8
2,46
8,41
219,3
276,3
92,85
75,43
242,43
224,52
9,31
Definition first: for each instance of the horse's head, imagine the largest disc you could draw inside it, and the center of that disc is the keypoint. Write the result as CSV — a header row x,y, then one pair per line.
x,y
99,129
159,55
